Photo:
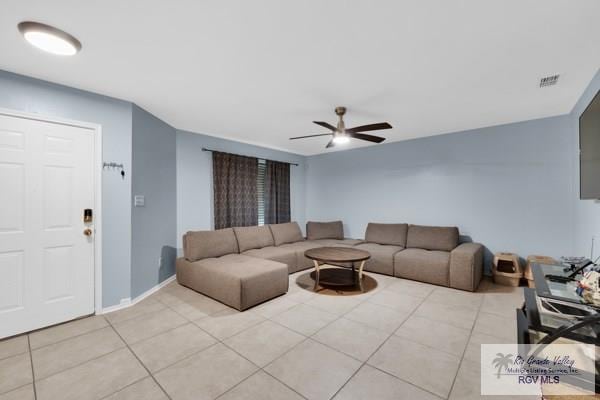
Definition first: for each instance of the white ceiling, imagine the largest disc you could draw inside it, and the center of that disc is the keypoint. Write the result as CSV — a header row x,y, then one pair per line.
x,y
260,71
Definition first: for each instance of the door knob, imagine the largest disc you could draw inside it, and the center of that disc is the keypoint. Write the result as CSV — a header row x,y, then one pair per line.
x,y
87,232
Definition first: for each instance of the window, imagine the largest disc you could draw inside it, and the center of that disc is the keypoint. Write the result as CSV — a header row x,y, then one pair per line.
x,y
260,182
249,191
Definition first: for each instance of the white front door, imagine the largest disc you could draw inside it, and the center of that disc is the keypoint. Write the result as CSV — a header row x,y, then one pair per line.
x,y
46,260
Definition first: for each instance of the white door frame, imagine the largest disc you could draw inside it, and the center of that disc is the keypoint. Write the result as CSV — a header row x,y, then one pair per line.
x,y
97,129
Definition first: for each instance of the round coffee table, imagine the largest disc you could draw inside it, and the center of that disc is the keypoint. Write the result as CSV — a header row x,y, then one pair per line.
x,y
337,255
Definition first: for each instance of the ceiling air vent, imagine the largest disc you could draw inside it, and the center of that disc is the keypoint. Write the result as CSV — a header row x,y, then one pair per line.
x,y
549,80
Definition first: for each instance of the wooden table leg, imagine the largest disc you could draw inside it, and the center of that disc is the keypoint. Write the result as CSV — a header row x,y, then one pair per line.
x,y
360,275
316,275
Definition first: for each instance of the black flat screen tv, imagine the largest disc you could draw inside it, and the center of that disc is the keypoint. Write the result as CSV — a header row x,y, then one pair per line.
x,y
589,150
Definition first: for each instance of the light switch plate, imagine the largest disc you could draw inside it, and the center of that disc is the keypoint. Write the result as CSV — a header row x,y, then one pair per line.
x,y
139,201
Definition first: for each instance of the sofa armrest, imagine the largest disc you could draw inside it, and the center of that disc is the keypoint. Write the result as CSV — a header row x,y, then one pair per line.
x,y
466,266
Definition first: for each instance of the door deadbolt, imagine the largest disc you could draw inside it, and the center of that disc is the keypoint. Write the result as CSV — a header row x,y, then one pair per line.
x,y
87,215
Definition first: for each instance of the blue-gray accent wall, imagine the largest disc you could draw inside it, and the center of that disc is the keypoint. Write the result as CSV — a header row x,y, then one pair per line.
x,y
194,178
153,226
30,95
509,187
513,187
135,238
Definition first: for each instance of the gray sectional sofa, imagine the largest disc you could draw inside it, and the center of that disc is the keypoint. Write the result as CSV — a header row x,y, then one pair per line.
x,y
242,267
429,254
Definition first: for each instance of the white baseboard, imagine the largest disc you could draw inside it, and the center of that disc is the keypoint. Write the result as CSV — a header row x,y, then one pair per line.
x,y
124,303
128,302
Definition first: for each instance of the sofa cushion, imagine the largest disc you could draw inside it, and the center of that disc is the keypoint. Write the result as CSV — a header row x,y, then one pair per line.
x,y
253,237
382,257
279,254
324,230
236,280
336,242
393,234
206,244
299,248
432,237
423,265
286,233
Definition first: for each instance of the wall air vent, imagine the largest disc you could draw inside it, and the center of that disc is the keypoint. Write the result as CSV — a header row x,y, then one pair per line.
x,y
549,80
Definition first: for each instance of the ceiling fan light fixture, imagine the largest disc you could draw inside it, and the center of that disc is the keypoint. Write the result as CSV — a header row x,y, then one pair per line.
x,y
49,38
341,135
341,139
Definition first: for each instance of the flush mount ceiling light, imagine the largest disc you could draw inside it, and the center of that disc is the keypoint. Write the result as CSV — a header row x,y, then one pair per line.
x,y
49,38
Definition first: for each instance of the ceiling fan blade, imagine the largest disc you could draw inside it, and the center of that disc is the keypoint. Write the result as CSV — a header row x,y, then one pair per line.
x,y
309,136
368,138
330,144
370,127
325,125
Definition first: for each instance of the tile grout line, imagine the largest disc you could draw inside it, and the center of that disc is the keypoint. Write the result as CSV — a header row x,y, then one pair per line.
x,y
461,357
378,348
338,351
465,351
81,363
424,345
470,330
187,357
407,382
279,380
222,342
306,337
88,360
32,369
238,384
140,361
259,368
70,337
123,388
219,341
127,319
15,388
126,345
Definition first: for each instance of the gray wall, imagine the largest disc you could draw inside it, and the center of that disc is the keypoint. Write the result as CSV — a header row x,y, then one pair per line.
x,y
512,187
153,226
194,179
47,99
509,187
151,152
587,212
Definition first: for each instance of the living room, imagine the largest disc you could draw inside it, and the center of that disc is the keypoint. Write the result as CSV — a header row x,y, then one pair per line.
x,y
247,201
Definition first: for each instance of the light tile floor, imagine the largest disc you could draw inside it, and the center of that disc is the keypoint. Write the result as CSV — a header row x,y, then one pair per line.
x,y
404,340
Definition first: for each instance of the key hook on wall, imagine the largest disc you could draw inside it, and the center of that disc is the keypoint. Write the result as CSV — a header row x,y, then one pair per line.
x,y
114,166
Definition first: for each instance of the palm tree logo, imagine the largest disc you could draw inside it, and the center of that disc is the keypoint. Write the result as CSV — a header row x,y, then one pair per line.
x,y
502,361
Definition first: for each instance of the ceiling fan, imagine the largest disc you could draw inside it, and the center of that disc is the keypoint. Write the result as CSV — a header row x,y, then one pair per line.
x,y
342,135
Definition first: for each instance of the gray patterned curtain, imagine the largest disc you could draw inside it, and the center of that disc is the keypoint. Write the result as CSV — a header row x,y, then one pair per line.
x,y
277,192
235,191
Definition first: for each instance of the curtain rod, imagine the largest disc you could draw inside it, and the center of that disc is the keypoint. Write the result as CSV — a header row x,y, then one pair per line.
x,y
218,151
